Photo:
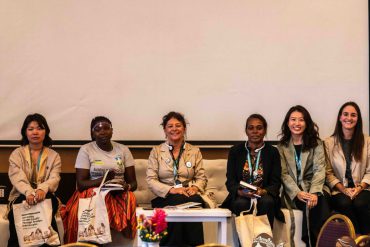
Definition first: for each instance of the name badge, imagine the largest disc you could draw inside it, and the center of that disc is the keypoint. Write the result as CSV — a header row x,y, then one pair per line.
x,y
178,184
345,182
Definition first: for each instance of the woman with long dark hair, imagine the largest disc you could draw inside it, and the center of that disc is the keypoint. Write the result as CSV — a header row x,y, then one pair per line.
x,y
348,173
303,170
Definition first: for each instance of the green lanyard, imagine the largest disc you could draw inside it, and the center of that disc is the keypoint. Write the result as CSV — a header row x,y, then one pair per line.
x,y
176,162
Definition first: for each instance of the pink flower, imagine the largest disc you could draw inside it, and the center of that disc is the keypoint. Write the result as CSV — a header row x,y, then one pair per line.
x,y
153,229
159,221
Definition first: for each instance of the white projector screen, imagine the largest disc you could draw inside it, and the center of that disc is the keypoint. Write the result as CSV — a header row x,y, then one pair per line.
x,y
216,61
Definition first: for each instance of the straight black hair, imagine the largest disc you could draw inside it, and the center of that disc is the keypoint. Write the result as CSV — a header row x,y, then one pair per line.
x,y
41,121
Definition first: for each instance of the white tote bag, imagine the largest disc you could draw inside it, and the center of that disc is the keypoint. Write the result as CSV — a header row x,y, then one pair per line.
x,y
249,226
33,224
93,221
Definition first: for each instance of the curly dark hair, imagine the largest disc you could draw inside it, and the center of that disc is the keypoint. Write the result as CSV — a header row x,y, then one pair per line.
x,y
358,135
41,121
259,117
310,134
176,115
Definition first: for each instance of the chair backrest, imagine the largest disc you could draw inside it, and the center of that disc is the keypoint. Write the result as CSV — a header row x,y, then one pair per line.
x,y
335,227
363,241
78,244
213,245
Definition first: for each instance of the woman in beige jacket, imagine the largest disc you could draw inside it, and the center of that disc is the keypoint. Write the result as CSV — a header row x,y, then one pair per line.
x,y
348,173
175,175
34,170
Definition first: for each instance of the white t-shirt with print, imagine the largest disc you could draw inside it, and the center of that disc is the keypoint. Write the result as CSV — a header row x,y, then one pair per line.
x,y
98,161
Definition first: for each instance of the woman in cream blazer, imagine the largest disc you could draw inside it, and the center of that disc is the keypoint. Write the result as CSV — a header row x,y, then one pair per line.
x,y
348,173
175,174
303,170
34,170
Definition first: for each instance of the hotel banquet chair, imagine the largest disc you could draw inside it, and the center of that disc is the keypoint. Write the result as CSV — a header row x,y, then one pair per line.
x,y
363,241
335,227
213,245
79,244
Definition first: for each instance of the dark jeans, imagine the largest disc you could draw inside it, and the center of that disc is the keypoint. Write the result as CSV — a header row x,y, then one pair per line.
x,y
358,209
13,239
265,205
180,233
317,217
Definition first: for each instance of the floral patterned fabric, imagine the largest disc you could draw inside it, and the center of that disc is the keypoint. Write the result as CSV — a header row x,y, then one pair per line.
x,y
258,180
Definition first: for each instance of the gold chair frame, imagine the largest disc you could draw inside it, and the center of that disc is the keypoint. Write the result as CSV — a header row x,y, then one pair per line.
x,y
79,244
361,239
339,217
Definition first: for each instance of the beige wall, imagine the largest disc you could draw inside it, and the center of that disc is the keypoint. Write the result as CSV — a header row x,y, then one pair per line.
x,y
215,61
68,156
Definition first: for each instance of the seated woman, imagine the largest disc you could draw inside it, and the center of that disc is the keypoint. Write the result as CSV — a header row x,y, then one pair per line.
x,y
92,161
256,163
348,173
172,166
303,170
34,170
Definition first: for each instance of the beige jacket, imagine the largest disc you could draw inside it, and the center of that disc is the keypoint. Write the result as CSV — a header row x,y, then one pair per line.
x,y
20,172
159,174
313,170
336,169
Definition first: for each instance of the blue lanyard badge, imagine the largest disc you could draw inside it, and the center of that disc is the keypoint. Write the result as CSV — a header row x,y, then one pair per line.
x,y
253,173
38,159
298,162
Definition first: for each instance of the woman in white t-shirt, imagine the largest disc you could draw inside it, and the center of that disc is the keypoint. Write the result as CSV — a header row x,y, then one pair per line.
x,y
92,161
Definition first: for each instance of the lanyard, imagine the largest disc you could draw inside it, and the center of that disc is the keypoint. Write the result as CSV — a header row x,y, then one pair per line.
x,y
298,162
176,162
253,173
38,159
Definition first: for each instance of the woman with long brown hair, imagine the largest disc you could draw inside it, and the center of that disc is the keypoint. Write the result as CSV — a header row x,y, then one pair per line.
x,y
348,173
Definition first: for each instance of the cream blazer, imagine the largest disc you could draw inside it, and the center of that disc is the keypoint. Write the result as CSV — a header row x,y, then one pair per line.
x,y
336,169
20,172
312,177
159,174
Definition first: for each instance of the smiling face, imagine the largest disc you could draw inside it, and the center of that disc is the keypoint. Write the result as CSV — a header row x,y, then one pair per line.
x,y
348,118
35,133
296,123
102,132
174,131
255,131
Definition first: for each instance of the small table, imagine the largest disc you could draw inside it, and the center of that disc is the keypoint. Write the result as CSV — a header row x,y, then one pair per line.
x,y
219,215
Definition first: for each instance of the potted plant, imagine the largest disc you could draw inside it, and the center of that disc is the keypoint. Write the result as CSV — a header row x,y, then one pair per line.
x,y
153,229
